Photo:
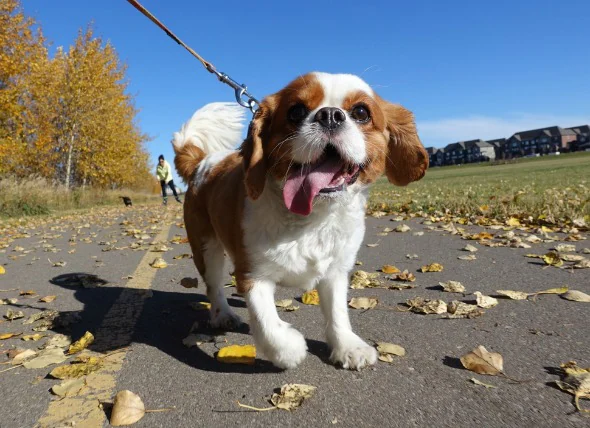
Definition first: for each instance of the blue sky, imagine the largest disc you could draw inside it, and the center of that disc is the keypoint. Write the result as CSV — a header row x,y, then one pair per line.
x,y
467,69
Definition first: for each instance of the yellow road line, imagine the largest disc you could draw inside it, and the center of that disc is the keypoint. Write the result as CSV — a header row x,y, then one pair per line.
x,y
115,332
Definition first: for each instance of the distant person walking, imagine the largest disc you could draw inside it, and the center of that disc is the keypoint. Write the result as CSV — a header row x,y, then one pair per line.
x,y
164,173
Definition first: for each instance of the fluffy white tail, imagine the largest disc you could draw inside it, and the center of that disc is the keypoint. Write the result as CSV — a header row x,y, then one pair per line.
x,y
214,127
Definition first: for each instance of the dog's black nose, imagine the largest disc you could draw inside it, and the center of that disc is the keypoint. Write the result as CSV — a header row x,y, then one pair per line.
x,y
330,117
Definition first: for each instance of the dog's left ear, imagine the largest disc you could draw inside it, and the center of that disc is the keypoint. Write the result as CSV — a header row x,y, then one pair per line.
x,y
407,160
252,149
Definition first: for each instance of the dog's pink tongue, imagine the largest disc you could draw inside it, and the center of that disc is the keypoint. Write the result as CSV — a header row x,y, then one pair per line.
x,y
301,187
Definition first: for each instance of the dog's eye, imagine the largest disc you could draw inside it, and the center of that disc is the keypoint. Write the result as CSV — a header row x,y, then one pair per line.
x,y
360,113
297,113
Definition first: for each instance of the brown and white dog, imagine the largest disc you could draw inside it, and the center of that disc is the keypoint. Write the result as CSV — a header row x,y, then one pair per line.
x,y
288,205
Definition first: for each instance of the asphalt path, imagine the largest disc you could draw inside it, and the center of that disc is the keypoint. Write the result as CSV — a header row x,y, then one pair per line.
x,y
147,313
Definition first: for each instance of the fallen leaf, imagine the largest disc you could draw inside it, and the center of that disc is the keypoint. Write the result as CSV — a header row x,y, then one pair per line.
x,y
81,343
452,287
470,257
405,276
159,263
14,315
292,396
484,301
389,269
23,356
402,228
47,299
420,305
469,248
182,256
46,358
572,257
552,259
2,270
376,244
584,264
61,263
576,381
4,336
386,358
565,248
10,301
480,383
33,337
363,302
189,282
390,348
514,295
480,236
481,361
576,296
311,297
559,290
433,267
412,256
58,341
513,221
69,387
237,354
458,309
361,279
77,369
27,293
283,303
127,409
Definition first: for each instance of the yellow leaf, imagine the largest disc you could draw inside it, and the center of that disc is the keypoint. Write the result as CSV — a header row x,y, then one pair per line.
x,y
552,259
237,354
362,302
48,299
576,296
159,263
433,267
33,337
2,270
81,343
514,295
513,221
390,348
77,370
389,269
311,297
127,409
4,336
200,306
559,290
292,396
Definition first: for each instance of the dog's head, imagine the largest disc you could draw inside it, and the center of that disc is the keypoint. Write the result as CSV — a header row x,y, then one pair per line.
x,y
329,136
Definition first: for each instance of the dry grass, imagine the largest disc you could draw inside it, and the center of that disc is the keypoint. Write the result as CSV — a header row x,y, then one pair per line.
x,y
35,196
547,189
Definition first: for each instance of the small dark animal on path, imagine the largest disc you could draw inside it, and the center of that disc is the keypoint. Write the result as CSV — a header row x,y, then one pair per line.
x,y
127,201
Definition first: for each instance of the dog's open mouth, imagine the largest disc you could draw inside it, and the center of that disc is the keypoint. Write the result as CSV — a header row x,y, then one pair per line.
x,y
329,174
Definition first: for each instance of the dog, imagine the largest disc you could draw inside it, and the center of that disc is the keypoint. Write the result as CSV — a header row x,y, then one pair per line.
x,y
288,204
126,201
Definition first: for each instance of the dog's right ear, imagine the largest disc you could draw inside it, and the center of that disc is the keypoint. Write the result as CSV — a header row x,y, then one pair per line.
x,y
252,149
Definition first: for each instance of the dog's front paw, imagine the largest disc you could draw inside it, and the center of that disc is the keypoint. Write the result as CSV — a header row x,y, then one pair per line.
x,y
285,347
225,320
351,352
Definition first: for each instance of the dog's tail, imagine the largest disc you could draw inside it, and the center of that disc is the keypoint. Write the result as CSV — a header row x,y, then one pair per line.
x,y
215,127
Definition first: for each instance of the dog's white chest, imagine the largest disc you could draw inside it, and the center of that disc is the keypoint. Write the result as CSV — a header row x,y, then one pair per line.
x,y
297,251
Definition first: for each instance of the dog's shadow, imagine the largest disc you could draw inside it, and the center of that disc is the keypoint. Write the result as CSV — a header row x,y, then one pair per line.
x,y
161,319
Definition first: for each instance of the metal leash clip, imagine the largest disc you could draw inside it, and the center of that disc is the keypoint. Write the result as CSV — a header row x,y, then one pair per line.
x,y
243,97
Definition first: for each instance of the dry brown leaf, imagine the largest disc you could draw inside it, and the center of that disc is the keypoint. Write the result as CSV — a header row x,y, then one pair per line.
x,y
584,264
452,287
480,383
470,257
82,343
182,256
237,354
433,267
22,356
292,396
402,228
576,381
459,309
284,303
45,358
559,290
390,348
4,336
189,282
58,341
376,244
27,293
420,305
481,361
576,296
361,279
565,248
69,387
470,248
363,302
9,301
405,276
32,337
159,263
127,409
47,299
484,301
389,269
14,315
514,295
311,297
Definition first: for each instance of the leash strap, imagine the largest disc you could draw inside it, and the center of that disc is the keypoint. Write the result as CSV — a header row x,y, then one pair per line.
x,y
243,97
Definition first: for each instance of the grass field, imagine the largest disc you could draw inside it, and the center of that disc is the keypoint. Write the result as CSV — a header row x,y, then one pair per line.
x,y
546,189
35,196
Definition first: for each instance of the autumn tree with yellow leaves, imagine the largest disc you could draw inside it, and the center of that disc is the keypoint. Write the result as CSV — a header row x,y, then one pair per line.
x,y
68,118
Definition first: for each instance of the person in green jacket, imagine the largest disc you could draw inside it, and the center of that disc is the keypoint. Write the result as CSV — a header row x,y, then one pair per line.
x,y
164,173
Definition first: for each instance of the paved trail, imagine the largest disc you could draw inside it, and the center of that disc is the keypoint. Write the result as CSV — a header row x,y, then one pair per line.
x,y
144,311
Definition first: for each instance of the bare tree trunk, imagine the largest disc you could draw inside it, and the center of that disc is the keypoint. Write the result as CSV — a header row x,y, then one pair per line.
x,y
69,161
